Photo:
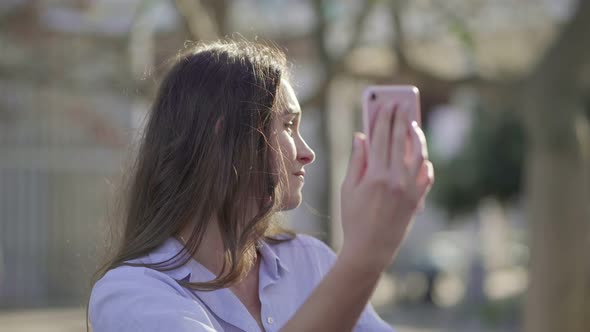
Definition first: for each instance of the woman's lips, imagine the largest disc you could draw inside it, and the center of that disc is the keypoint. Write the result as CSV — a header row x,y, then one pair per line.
x,y
300,175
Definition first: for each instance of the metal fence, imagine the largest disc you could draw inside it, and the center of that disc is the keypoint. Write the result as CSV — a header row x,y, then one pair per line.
x,y
57,151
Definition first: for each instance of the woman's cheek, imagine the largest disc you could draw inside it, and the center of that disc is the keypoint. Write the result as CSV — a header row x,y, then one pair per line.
x,y
288,146
292,148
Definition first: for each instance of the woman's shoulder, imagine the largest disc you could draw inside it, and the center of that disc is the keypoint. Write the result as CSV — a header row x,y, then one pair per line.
x,y
140,276
305,249
300,240
129,283
310,242
127,298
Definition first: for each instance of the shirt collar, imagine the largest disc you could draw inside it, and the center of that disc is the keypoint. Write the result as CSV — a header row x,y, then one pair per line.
x,y
271,260
222,302
166,251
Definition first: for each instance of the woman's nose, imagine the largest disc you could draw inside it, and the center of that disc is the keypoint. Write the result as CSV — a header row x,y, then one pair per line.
x,y
306,154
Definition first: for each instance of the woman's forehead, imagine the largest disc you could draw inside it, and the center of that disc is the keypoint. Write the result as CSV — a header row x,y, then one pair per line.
x,y
291,104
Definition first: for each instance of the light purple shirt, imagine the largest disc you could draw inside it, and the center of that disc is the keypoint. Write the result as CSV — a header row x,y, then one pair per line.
x,y
142,299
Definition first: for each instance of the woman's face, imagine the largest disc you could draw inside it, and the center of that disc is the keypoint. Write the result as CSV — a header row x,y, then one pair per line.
x,y
295,152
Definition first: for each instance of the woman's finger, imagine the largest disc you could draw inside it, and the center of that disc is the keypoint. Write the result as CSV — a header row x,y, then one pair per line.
x,y
425,179
379,144
398,145
357,163
419,149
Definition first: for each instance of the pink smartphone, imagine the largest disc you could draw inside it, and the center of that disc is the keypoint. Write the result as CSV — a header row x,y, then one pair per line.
x,y
379,95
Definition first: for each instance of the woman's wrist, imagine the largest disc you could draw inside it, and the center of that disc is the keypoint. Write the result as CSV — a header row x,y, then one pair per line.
x,y
370,262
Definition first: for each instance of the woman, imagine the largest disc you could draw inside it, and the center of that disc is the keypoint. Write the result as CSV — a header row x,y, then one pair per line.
x,y
220,156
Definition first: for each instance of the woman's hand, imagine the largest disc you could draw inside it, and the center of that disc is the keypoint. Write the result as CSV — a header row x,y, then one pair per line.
x,y
386,182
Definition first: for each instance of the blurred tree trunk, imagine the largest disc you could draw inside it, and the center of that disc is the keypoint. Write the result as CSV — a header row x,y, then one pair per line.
x,y
204,20
558,184
333,65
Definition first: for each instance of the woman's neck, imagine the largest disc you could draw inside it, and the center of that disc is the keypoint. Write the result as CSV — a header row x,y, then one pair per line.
x,y
210,253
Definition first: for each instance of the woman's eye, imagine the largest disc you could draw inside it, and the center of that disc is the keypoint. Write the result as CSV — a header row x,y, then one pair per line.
x,y
289,126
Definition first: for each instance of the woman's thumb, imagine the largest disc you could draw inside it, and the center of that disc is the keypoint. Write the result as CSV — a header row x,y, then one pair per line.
x,y
357,163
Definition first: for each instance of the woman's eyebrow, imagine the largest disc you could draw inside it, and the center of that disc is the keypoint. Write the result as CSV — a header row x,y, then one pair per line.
x,y
291,111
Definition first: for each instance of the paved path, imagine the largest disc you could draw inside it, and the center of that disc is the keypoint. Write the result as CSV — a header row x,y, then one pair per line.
x,y
72,320
46,320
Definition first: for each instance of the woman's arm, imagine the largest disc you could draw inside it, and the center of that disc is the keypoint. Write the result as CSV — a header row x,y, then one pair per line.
x,y
380,196
338,301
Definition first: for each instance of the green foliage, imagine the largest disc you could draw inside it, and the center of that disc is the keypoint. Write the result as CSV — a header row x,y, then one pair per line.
x,y
500,313
490,165
458,28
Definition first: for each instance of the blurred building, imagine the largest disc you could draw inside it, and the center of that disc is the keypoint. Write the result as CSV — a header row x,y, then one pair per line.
x,y
65,102
76,80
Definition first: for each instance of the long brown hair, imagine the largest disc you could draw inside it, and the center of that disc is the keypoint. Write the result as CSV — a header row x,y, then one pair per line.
x,y
206,152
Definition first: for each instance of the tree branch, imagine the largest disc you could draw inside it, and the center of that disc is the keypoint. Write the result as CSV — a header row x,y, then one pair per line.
x,y
333,65
399,41
199,21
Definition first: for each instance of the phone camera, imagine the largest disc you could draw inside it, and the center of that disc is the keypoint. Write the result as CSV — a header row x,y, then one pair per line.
x,y
373,96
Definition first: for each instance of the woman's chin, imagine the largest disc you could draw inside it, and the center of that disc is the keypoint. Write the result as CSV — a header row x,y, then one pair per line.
x,y
292,202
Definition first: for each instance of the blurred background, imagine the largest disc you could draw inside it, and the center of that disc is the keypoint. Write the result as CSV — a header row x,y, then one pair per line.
x,y
503,242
